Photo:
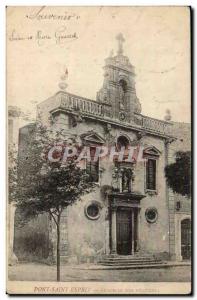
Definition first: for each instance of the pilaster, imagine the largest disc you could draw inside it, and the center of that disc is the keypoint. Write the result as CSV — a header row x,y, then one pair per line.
x,y
113,230
171,204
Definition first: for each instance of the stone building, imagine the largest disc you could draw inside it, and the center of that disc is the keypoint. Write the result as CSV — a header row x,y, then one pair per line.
x,y
182,131
132,211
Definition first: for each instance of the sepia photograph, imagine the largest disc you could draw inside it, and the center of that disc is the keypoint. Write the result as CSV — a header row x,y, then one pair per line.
x,y
98,150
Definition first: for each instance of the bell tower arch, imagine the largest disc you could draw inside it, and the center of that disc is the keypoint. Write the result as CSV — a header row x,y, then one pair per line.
x,y
119,85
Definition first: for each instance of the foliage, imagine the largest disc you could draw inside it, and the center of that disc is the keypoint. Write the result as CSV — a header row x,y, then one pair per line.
x,y
12,172
43,186
178,174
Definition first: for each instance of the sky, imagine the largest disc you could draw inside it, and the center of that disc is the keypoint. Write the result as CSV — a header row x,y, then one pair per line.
x,y
157,42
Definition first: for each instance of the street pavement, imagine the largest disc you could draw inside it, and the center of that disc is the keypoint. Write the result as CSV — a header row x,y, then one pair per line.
x,y
42,272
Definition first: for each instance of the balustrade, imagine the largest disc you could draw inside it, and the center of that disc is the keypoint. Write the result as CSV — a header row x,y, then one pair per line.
x,y
103,110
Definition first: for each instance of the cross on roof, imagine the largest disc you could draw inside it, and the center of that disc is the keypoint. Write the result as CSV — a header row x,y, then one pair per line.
x,y
120,40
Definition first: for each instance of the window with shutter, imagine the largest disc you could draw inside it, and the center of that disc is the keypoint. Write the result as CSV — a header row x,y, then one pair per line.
x,y
92,167
151,174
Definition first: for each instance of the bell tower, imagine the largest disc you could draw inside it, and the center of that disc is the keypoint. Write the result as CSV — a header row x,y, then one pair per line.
x,y
119,85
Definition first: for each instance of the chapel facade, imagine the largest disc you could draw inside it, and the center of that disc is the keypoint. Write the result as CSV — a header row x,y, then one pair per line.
x,y
132,211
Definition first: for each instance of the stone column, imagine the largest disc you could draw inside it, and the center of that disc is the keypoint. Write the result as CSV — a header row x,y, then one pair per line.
x,y
107,230
113,230
132,230
12,257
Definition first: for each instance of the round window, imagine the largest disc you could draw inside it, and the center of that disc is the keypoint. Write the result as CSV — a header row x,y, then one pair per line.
x,y
92,211
151,215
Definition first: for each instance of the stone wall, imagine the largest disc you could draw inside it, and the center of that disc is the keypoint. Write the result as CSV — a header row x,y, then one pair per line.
x,y
182,204
87,238
31,241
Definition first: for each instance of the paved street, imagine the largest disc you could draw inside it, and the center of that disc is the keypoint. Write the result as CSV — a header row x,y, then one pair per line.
x,y
38,272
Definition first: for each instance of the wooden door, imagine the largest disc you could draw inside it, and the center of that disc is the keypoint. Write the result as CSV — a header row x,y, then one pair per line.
x,y
186,239
124,231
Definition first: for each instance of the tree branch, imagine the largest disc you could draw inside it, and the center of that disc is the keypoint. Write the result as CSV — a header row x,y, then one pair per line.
x,y
53,217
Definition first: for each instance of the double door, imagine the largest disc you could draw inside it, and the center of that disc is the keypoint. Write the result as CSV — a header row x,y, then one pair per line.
x,y
126,231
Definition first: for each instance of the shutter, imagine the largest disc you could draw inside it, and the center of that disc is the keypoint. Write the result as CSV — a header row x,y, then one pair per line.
x,y
151,174
92,168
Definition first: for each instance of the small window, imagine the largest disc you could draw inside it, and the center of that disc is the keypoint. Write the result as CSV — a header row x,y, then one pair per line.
x,y
92,167
92,211
151,174
151,215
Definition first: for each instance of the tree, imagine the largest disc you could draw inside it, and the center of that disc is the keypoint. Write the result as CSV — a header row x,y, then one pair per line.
x,y
178,174
44,186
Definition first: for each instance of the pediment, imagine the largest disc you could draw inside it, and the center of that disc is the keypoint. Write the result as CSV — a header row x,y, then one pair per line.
x,y
151,150
92,137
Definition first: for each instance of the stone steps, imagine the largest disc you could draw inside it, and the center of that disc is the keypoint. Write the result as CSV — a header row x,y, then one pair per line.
x,y
122,261
130,263
129,259
128,267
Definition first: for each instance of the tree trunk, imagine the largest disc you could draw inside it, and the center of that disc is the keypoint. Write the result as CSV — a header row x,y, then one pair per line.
x,y
58,248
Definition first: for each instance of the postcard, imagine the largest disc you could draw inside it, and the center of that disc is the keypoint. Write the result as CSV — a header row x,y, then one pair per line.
x,y
99,150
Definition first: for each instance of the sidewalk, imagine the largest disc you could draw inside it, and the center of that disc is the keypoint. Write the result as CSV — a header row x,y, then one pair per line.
x,y
167,264
41,272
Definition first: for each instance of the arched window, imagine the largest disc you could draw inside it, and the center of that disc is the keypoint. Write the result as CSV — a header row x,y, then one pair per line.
x,y
122,92
123,85
122,141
